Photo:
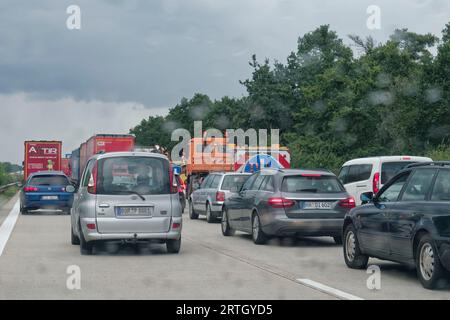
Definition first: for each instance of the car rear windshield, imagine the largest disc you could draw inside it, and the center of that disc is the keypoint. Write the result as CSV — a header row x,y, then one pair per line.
x,y
234,181
390,169
49,180
311,184
128,175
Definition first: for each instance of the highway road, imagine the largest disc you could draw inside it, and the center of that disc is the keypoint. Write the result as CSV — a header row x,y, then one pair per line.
x,y
35,254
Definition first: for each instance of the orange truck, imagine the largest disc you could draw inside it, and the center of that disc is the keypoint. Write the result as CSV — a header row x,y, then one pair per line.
x,y
221,156
42,156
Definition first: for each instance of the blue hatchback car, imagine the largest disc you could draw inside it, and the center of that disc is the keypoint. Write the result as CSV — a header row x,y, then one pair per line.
x,y
47,190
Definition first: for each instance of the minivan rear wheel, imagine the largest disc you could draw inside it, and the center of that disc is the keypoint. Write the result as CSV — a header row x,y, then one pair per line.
x,y
173,246
352,254
192,214
74,238
86,247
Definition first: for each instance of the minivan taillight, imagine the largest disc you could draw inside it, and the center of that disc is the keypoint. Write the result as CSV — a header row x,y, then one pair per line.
x,y
376,182
279,202
30,189
92,185
220,196
348,203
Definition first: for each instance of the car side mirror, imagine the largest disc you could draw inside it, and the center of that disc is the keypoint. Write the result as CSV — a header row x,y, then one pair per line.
x,y
366,197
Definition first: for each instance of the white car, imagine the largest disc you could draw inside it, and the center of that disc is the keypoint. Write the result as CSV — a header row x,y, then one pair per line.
x,y
370,174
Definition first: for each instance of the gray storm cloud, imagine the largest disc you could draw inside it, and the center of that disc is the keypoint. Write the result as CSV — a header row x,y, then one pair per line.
x,y
152,53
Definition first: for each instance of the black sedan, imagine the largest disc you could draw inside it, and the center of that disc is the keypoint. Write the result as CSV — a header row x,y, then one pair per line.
x,y
407,221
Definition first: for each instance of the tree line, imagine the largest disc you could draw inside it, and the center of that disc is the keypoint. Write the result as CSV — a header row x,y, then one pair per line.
x,y
333,102
6,169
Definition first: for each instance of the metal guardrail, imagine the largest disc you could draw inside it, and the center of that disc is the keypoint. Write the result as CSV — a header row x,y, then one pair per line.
x,y
6,186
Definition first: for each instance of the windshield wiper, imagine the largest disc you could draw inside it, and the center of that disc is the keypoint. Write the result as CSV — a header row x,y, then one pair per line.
x,y
134,192
307,190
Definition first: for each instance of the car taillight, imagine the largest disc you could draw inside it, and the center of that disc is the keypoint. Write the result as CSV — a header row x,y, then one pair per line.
x,y
30,189
348,203
90,226
376,182
176,225
279,202
220,196
92,186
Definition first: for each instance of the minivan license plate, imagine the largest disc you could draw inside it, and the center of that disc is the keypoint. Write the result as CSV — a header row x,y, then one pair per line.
x,y
133,211
316,205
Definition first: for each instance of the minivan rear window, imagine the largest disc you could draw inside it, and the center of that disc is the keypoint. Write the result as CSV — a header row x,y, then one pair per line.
x,y
390,169
311,184
125,175
234,181
49,180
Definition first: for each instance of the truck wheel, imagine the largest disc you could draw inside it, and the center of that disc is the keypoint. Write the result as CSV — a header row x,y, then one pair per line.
x,y
173,246
86,247
73,238
429,268
226,228
192,214
352,254
209,216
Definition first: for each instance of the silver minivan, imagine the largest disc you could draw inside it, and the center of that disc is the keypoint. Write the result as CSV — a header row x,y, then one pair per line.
x,y
127,196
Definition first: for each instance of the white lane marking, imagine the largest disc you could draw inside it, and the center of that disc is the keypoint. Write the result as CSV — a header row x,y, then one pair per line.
x,y
326,289
8,225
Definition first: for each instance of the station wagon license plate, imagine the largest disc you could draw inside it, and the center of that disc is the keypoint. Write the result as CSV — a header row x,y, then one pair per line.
x,y
316,205
134,211
49,198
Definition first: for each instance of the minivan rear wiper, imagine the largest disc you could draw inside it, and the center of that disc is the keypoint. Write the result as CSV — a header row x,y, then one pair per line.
x,y
134,192
307,190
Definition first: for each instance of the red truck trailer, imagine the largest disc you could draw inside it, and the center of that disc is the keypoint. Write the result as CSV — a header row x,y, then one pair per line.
x,y
65,166
103,143
42,156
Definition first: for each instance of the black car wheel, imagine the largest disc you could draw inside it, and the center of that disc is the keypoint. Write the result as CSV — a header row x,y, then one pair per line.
x,y
352,254
192,214
173,246
259,237
429,268
226,228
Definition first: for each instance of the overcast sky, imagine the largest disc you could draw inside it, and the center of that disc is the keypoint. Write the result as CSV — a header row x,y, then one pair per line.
x,y
132,58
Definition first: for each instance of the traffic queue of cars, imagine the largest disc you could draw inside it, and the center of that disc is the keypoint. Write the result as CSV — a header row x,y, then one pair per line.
x,y
403,216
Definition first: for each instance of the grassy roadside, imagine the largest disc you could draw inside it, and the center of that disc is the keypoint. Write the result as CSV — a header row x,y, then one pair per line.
x,y
8,194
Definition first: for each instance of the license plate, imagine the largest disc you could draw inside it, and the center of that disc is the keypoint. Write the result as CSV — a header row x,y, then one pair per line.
x,y
316,205
134,211
49,198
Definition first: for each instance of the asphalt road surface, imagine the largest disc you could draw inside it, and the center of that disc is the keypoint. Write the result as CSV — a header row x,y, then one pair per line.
x,y
37,259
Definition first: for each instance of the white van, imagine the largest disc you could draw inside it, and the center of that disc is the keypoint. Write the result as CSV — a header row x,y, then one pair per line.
x,y
370,174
